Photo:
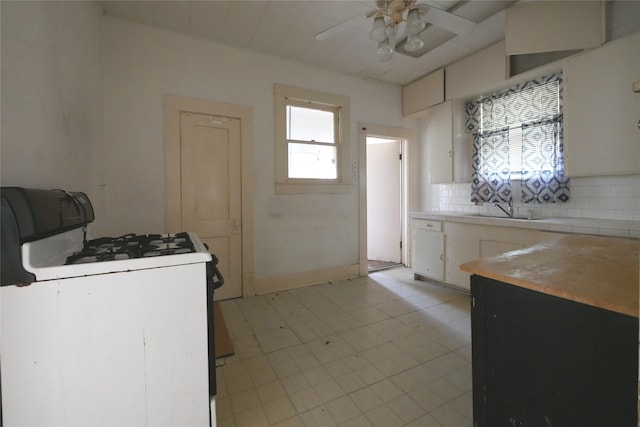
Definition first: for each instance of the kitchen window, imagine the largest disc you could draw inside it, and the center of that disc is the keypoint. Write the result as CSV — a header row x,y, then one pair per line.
x,y
518,136
312,141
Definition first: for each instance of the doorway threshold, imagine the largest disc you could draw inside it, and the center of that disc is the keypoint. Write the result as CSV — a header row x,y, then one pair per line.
x,y
374,265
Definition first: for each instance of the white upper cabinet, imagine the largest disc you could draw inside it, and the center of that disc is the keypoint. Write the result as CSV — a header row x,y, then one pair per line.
x,y
548,26
445,146
440,143
423,93
477,73
601,111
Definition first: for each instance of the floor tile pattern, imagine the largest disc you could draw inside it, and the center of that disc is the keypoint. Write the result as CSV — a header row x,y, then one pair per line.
x,y
383,350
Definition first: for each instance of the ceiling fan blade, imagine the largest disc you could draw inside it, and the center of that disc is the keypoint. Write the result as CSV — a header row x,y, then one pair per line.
x,y
336,29
448,21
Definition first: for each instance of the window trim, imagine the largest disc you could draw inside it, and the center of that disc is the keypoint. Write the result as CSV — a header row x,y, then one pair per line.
x,y
285,95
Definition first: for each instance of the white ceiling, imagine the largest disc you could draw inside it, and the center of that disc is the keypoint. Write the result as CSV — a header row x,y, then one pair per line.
x,y
287,29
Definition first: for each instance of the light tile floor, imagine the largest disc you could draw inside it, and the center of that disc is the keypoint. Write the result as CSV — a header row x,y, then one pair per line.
x,y
383,350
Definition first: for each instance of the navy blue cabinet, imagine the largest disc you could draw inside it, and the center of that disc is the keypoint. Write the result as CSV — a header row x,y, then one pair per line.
x,y
540,360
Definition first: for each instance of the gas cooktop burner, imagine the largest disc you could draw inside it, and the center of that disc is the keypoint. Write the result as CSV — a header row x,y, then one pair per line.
x,y
132,246
107,256
167,250
174,239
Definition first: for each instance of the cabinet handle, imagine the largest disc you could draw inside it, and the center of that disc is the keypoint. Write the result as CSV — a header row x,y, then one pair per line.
x,y
441,257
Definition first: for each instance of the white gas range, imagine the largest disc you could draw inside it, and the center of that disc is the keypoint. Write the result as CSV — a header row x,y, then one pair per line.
x,y
108,331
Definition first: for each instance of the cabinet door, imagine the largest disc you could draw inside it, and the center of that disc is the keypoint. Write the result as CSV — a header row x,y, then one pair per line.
x,y
440,143
567,26
475,73
460,250
423,93
601,111
428,253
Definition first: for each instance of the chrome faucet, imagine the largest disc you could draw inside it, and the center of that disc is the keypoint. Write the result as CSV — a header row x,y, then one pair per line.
x,y
508,211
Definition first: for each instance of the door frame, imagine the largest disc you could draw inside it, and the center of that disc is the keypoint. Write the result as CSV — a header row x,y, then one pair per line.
x,y
173,107
407,138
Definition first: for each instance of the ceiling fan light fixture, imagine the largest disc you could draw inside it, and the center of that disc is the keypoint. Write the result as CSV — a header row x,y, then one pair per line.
x,y
385,51
379,31
414,22
413,43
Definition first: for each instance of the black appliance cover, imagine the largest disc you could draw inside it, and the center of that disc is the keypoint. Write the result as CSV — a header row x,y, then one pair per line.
x,y
33,214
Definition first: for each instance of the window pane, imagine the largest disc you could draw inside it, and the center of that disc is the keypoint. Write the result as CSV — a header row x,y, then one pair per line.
x,y
310,124
515,152
312,161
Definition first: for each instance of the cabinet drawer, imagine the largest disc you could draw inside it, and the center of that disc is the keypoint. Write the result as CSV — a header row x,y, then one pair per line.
x,y
426,224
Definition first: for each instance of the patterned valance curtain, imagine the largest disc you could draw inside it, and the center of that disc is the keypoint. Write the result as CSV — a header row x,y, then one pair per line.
x,y
528,101
490,179
522,130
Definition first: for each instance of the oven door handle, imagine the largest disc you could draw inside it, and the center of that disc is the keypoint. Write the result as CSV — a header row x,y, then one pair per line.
x,y
214,277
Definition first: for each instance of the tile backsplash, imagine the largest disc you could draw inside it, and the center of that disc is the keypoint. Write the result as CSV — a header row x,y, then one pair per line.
x,y
602,197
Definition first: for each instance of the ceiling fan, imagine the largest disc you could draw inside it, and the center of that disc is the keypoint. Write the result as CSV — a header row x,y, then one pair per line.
x,y
388,16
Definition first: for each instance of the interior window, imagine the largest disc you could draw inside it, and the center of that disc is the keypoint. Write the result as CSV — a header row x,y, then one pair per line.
x,y
312,141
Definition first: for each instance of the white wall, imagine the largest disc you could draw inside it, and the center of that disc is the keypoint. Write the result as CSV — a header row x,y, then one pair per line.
x,y
51,95
293,233
82,109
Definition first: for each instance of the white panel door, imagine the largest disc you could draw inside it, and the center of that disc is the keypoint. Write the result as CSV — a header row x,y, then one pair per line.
x,y
211,191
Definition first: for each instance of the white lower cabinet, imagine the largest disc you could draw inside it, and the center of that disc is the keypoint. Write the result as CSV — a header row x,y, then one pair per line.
x,y
463,245
428,249
460,249
440,247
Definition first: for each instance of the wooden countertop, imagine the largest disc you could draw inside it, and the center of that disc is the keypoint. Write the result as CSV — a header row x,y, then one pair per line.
x,y
594,270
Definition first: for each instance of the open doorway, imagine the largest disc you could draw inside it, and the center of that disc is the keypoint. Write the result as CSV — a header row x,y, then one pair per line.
x,y
384,197
384,202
